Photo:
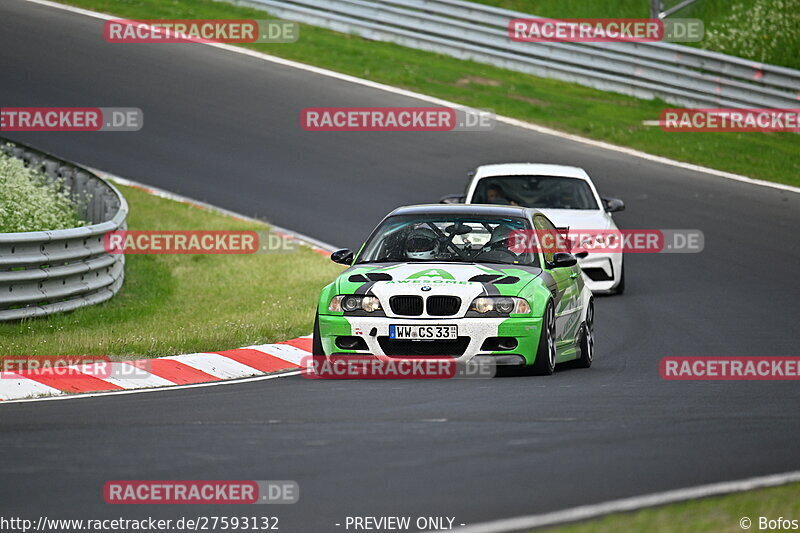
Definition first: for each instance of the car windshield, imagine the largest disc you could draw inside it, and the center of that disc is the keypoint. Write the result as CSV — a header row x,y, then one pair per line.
x,y
463,239
541,192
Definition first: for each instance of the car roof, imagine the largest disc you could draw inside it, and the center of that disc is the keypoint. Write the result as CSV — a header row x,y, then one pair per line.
x,y
465,210
530,169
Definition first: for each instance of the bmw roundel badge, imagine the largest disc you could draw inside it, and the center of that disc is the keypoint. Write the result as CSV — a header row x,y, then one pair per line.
x,y
426,288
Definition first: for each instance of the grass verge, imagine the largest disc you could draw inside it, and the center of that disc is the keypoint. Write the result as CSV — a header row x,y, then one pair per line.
x,y
708,515
761,30
571,108
173,304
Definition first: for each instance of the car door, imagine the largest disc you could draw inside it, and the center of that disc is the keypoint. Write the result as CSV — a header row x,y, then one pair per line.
x,y
566,296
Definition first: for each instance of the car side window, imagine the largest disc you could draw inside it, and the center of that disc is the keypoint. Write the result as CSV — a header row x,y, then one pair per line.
x,y
547,235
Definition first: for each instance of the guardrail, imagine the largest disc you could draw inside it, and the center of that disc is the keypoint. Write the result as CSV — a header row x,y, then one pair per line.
x,y
45,272
678,74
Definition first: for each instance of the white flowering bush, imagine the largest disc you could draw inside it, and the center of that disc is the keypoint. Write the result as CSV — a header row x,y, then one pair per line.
x,y
30,201
762,30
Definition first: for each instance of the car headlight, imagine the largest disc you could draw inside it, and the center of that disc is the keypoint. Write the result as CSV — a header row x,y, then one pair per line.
x,y
504,305
370,304
353,302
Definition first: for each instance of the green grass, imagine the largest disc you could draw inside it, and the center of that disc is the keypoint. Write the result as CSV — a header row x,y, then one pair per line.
x,y
709,515
567,107
761,30
708,10
174,304
575,8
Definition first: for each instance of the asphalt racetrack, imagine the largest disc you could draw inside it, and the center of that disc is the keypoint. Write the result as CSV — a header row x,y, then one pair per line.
x,y
224,128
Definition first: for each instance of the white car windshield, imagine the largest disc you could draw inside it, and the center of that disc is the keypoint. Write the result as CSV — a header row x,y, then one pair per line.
x,y
464,239
541,192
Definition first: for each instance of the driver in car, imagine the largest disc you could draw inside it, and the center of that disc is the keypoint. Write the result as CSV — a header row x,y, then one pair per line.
x,y
421,245
496,195
498,247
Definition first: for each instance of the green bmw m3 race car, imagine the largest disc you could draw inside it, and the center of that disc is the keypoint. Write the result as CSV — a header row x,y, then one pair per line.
x,y
453,281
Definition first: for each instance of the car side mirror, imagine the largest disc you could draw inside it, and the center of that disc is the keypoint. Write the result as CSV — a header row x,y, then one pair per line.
x,y
343,256
453,199
612,205
563,259
581,255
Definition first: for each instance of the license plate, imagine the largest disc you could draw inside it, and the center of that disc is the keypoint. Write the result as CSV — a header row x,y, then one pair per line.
x,y
429,332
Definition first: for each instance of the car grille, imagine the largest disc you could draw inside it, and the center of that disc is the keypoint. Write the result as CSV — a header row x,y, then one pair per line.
x,y
397,347
443,305
406,305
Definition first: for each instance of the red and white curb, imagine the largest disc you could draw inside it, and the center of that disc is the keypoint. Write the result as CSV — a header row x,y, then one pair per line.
x,y
258,360
178,370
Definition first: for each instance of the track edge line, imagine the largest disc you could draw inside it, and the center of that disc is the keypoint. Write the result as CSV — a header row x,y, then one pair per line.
x,y
434,100
635,503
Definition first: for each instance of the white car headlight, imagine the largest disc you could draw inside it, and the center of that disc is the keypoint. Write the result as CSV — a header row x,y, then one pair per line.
x,y
354,302
370,304
336,304
500,304
600,239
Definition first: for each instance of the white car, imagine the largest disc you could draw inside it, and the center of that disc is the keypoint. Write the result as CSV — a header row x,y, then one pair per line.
x,y
567,196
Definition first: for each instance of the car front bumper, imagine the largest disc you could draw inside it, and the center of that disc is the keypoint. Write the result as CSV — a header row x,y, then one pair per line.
x,y
602,272
472,336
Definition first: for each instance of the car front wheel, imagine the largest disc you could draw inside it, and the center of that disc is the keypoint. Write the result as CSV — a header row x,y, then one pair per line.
x,y
587,338
316,340
545,362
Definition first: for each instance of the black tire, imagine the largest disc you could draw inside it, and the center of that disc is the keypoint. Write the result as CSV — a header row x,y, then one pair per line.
x,y
586,344
316,341
545,362
619,289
